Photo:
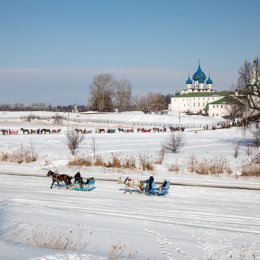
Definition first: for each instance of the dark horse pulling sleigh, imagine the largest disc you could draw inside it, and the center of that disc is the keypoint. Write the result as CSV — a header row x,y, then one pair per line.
x,y
78,184
59,178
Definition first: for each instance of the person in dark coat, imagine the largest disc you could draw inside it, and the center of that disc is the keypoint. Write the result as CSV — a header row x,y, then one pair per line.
x,y
163,185
78,179
150,182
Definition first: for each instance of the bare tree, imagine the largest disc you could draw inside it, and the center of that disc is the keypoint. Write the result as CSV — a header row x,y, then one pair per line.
x,y
73,140
256,135
156,102
151,102
123,94
39,106
145,162
57,119
94,147
236,148
139,103
249,88
244,77
174,142
249,149
101,92
161,155
236,108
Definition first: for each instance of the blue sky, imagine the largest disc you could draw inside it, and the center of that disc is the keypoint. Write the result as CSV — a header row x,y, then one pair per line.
x,y
50,50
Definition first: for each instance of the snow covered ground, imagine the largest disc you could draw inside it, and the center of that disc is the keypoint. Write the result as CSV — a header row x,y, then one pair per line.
x,y
191,222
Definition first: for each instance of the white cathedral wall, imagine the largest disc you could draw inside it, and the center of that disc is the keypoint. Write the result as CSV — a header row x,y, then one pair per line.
x,y
192,104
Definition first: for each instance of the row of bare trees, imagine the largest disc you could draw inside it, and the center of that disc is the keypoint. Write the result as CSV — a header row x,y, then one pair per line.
x,y
108,94
123,101
41,107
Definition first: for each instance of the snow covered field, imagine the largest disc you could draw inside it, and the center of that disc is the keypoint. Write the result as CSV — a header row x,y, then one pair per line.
x,y
191,222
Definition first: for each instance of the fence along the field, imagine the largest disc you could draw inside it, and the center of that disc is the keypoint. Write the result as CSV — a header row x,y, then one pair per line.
x,y
108,121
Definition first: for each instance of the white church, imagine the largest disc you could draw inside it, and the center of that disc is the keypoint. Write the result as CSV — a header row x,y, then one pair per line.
x,y
198,85
197,96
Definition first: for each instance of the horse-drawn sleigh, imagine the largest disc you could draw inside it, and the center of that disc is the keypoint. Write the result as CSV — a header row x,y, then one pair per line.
x,y
79,184
147,186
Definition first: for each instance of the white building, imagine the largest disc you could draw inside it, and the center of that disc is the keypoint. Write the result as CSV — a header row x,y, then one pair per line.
x,y
193,102
197,95
221,107
200,97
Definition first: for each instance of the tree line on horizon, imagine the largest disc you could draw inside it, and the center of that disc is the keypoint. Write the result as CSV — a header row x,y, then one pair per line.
x,y
151,102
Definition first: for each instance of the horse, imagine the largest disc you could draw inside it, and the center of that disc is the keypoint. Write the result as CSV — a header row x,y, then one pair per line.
x,y
129,130
78,130
45,131
100,130
25,131
4,131
87,131
55,131
59,177
111,131
12,132
132,183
